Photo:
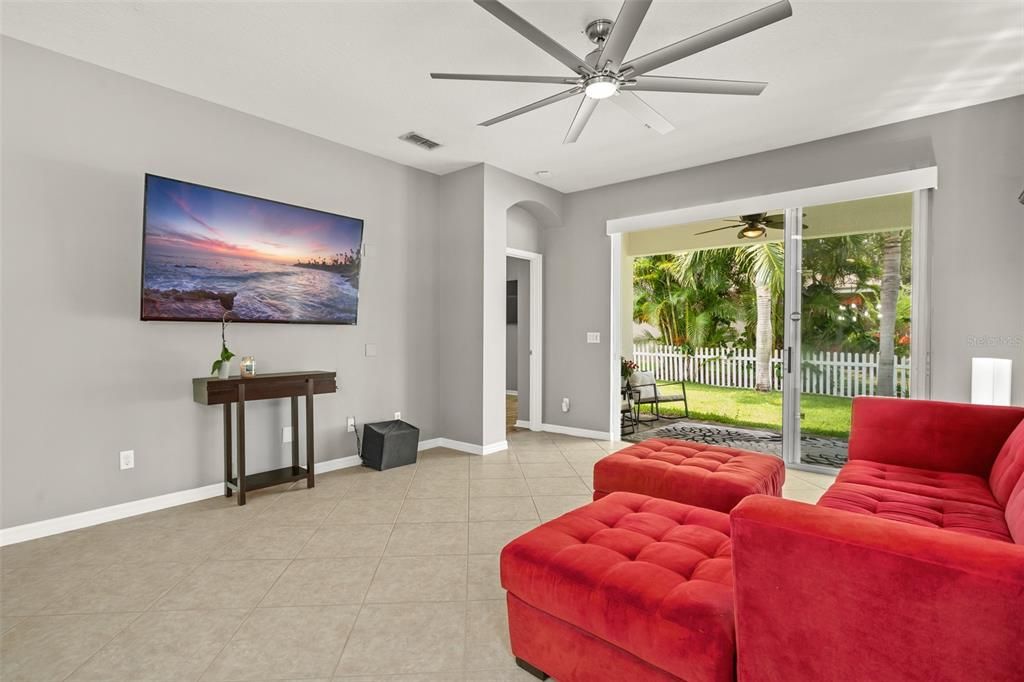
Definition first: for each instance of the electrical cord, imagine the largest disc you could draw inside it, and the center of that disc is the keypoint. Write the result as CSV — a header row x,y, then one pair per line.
x,y
359,445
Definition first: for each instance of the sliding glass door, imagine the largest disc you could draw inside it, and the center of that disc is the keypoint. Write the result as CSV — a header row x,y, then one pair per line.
x,y
848,319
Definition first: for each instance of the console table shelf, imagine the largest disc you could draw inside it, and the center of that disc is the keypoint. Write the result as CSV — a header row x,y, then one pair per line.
x,y
237,390
268,479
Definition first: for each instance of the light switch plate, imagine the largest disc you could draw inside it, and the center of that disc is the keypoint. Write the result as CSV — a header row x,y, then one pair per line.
x,y
593,337
371,350
286,434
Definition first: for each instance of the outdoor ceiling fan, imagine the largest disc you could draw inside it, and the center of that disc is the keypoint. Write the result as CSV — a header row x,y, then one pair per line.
x,y
603,74
754,225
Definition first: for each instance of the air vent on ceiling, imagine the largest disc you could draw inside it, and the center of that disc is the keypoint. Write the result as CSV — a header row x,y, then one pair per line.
x,y
420,141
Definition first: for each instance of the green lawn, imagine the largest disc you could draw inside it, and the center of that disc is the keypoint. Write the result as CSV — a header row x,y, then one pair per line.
x,y
822,415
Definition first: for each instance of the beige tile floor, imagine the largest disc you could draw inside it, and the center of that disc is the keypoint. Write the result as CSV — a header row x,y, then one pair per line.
x,y
370,576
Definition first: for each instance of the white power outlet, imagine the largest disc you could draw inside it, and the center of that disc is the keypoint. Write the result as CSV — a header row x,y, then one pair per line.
x,y
351,424
286,434
127,458
398,415
565,404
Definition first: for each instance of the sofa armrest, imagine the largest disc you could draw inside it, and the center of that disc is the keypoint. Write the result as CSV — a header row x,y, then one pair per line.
x,y
824,594
928,434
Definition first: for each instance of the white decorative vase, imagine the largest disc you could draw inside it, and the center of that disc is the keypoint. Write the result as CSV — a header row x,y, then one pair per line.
x,y
223,370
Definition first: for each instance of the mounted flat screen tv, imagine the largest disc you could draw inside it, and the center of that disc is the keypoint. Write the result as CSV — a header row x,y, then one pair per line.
x,y
209,254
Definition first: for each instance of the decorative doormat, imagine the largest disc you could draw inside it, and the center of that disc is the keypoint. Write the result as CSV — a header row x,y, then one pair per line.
x,y
821,450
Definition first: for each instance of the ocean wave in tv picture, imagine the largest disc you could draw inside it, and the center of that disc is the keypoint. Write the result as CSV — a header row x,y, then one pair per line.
x,y
210,254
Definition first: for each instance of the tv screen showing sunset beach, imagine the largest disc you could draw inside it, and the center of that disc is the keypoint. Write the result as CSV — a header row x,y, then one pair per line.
x,y
210,254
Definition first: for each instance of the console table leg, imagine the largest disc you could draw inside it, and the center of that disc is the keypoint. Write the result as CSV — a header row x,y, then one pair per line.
x,y
309,433
227,449
295,431
240,414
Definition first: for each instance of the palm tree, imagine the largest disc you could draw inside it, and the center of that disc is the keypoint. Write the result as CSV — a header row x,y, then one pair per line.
x,y
765,266
892,246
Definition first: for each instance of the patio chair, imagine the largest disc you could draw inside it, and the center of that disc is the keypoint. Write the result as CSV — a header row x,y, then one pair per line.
x,y
654,394
630,410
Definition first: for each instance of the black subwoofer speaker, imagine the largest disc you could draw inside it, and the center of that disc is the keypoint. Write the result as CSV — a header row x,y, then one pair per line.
x,y
389,444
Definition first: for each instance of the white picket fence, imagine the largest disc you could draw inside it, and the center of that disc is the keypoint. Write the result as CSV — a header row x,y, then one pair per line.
x,y
823,373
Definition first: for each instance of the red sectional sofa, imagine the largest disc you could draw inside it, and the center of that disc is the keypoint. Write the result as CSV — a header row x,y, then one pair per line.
x,y
910,567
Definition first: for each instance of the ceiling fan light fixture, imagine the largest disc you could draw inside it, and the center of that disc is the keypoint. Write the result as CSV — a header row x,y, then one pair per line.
x,y
752,231
601,87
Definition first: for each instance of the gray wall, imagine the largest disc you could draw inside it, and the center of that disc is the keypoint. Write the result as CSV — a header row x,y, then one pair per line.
x,y
517,338
83,378
523,232
976,255
460,305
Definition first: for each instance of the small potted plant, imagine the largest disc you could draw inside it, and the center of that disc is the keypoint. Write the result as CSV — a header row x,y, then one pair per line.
x,y
628,367
222,366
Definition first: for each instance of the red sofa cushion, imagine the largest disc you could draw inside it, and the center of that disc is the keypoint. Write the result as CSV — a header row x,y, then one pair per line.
x,y
940,485
1008,468
650,576
707,476
982,520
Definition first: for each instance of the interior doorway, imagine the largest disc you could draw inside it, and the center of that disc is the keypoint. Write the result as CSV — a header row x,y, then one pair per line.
x,y
523,339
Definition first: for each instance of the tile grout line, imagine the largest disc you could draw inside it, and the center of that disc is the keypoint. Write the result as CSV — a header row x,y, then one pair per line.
x,y
359,611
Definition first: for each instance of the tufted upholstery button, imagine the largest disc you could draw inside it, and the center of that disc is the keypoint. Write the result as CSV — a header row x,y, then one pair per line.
x,y
692,473
651,576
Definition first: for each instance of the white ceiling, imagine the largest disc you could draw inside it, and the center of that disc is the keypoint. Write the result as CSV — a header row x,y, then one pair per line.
x,y
357,73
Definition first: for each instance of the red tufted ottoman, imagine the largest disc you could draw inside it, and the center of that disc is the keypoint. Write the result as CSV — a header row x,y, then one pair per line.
x,y
626,588
708,476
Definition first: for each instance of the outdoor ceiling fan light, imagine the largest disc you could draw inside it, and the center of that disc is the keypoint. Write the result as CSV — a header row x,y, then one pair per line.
x,y
752,231
601,87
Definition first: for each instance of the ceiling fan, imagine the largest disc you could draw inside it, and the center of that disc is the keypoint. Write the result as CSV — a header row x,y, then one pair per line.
x,y
603,73
754,225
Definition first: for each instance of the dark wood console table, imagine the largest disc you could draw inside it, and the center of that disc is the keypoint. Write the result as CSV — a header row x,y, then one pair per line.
x,y
213,391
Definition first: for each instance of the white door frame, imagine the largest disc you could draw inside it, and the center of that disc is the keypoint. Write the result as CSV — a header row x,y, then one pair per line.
x,y
615,342
536,351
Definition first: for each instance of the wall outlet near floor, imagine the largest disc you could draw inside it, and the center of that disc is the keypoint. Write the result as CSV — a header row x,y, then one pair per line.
x,y
127,459
350,424
565,404
398,415
286,434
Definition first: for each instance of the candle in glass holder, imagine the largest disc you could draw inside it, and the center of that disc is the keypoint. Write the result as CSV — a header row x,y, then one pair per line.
x,y
248,366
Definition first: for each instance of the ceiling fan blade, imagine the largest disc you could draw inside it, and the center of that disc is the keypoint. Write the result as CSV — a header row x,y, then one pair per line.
x,y
643,111
718,229
579,122
623,31
536,105
713,36
557,80
535,35
708,86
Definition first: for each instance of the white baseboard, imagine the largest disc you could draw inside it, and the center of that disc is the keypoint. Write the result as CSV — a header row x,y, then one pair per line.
x,y
573,431
512,392
471,448
93,517
520,424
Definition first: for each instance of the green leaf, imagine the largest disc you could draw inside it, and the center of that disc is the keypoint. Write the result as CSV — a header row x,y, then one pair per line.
x,y
216,367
